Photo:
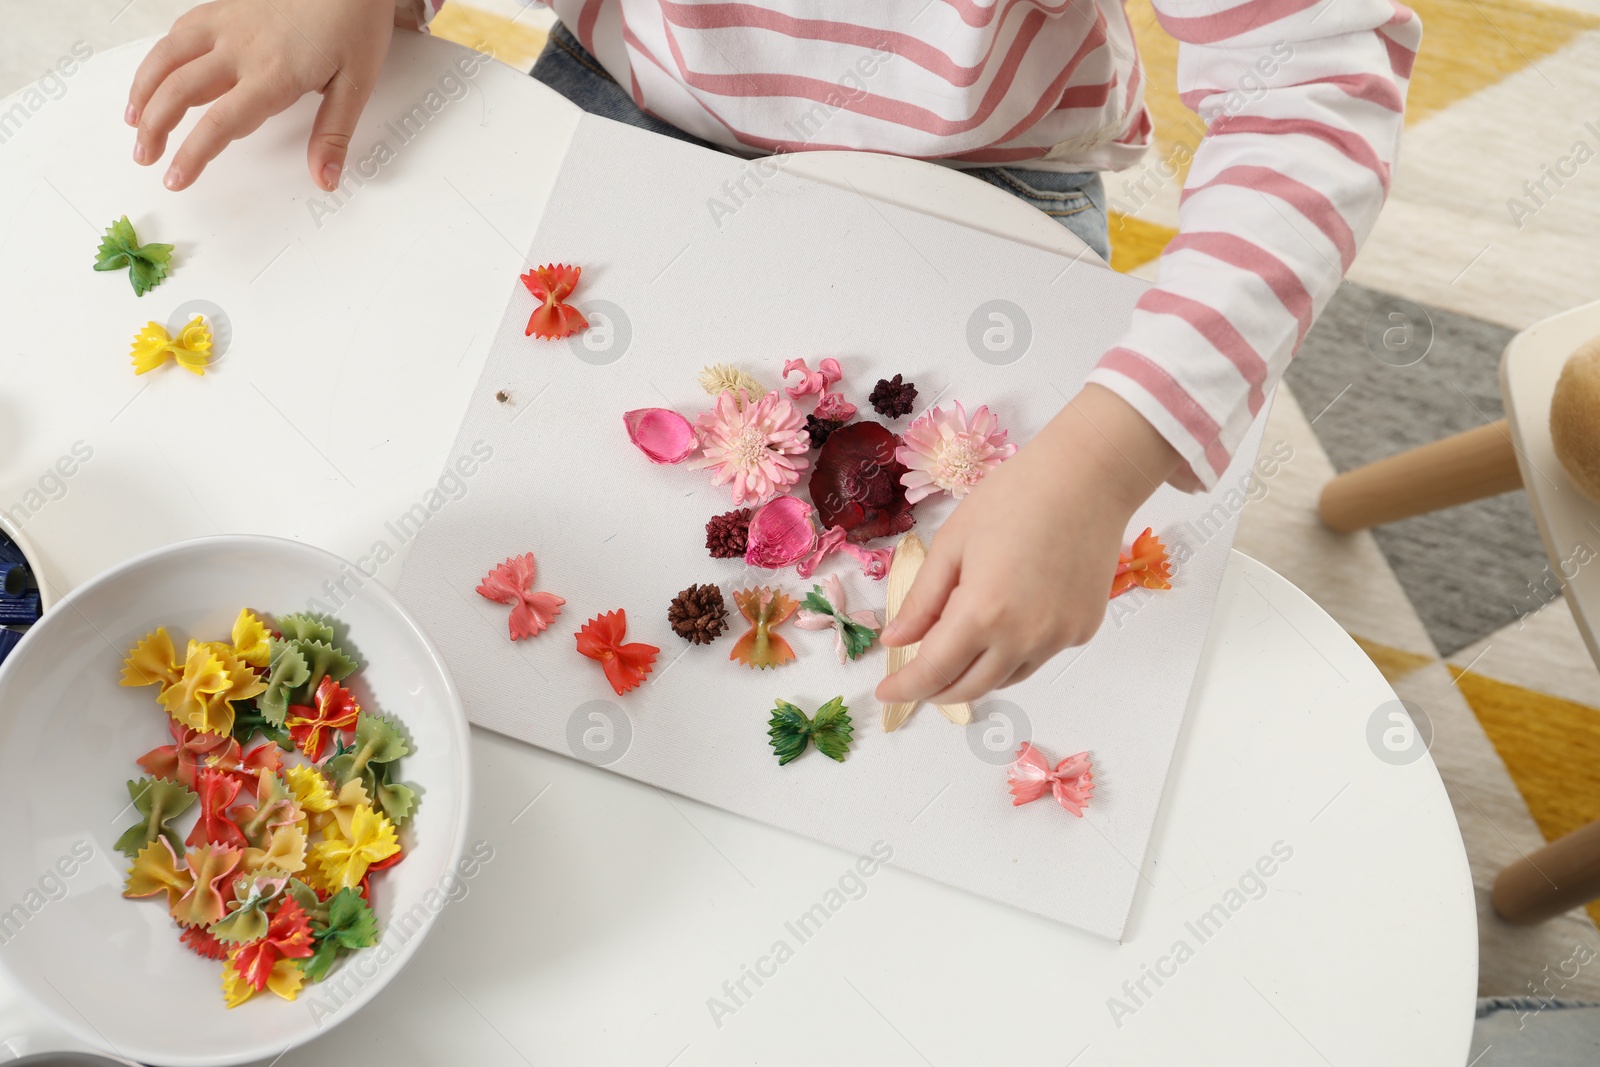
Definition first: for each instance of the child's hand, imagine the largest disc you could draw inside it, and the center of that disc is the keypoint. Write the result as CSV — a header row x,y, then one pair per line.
x,y
255,58
1023,567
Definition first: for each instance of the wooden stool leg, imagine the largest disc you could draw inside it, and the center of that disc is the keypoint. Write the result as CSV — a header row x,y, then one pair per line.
x,y
1557,878
1466,467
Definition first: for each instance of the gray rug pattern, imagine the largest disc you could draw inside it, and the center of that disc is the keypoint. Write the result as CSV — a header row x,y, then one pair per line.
x,y
1466,569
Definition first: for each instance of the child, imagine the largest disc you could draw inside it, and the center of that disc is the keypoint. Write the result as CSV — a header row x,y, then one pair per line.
x,y
1303,100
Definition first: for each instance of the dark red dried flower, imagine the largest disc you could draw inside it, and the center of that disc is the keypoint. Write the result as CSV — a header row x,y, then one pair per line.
x,y
819,429
893,397
855,483
726,534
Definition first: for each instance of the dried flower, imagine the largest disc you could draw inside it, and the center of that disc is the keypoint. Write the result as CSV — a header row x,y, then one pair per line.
x,y
827,544
727,535
831,407
874,561
722,378
758,447
812,381
780,533
893,397
661,434
698,614
945,451
819,429
834,407
856,483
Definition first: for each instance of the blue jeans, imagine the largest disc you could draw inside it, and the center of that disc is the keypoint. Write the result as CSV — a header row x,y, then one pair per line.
x,y
1529,1032
1076,201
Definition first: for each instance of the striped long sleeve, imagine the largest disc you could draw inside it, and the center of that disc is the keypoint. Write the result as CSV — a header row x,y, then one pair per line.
x,y
1303,102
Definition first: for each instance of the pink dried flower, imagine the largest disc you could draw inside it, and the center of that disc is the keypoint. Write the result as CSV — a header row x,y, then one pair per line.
x,y
835,407
827,544
874,561
812,381
759,447
943,451
661,434
780,533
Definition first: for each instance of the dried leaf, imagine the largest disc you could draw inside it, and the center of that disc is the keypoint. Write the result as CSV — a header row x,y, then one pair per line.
x,y
908,558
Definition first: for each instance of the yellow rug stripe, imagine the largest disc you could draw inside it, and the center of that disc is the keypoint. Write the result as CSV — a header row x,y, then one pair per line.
x,y
512,41
1551,748
1175,124
1467,47
1393,663
1135,242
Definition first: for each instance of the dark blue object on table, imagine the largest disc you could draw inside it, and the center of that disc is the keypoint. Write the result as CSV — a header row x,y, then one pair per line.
x,y
19,596
16,579
19,610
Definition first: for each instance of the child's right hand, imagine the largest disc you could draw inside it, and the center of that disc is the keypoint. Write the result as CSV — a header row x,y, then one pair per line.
x,y
255,58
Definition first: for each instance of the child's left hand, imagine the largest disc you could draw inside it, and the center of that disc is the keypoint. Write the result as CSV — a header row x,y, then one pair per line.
x,y
1022,569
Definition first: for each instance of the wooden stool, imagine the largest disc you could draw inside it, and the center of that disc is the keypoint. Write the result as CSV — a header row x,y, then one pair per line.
x,y
1560,876
1456,470
1514,452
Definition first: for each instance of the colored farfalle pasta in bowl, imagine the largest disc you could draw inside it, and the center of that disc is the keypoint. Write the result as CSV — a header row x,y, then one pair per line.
x,y
291,792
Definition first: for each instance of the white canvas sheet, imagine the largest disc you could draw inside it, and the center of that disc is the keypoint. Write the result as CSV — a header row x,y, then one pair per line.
x,y
796,268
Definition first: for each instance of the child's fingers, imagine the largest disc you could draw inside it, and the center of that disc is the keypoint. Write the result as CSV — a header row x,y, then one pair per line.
x,y
946,653
191,85
240,111
185,43
925,600
983,677
1021,674
336,120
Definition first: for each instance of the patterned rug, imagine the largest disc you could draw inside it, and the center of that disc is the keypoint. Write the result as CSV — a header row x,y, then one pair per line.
x,y
1443,603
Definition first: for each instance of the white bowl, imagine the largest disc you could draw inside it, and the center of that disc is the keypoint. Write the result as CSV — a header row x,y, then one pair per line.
x,y
111,970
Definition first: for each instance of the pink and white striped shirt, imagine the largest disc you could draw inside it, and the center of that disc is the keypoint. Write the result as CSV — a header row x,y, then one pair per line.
x,y
1303,100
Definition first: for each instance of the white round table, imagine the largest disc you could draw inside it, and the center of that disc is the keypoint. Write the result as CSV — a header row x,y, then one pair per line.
x,y
1306,900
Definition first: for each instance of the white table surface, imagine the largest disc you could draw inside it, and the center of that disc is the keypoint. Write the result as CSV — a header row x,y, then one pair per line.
x,y
612,913
1566,518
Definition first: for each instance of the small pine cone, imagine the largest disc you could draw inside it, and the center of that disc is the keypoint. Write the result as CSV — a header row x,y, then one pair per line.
x,y
819,429
893,397
698,614
726,535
